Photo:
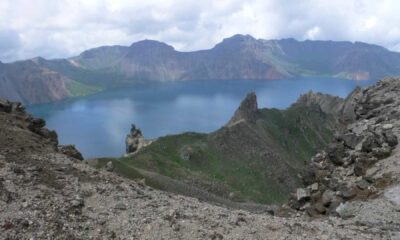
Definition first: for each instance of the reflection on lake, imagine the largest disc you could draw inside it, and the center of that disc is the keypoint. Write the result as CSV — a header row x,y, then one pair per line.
x,y
98,124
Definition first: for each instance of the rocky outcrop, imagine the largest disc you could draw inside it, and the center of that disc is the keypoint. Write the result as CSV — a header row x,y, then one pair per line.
x,y
71,151
35,125
349,171
135,141
247,111
342,109
329,104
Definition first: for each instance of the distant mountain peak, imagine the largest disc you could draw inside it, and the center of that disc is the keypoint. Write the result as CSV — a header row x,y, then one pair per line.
x,y
247,111
147,43
239,38
38,60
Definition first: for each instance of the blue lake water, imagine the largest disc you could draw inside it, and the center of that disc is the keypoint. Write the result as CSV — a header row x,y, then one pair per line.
x,y
98,124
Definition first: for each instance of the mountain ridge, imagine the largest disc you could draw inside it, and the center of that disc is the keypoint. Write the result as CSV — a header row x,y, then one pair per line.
x,y
237,57
254,158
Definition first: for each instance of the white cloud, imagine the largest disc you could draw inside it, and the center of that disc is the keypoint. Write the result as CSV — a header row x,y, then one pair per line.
x,y
66,27
313,33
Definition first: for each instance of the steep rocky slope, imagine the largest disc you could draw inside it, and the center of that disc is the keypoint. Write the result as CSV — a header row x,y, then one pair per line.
x,y
255,157
46,194
32,82
27,82
237,57
357,175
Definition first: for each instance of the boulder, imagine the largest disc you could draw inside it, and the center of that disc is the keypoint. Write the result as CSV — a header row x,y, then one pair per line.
x,y
382,152
390,138
327,197
320,208
110,166
387,126
70,151
302,194
362,184
135,141
350,140
369,142
344,210
5,106
314,187
347,193
359,168
336,152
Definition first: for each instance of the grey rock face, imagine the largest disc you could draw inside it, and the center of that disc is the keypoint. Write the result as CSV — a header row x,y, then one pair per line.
x,y
135,141
362,160
247,110
110,166
302,194
70,150
329,104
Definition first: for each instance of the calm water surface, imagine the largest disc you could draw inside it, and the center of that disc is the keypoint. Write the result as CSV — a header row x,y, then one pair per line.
x,y
98,124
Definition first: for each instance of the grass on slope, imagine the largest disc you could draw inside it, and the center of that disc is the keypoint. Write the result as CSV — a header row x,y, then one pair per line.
x,y
298,131
205,168
257,163
77,89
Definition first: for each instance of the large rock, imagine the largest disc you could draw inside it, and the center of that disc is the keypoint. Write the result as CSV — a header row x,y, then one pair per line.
x,y
135,141
247,111
350,140
71,151
336,152
390,138
302,194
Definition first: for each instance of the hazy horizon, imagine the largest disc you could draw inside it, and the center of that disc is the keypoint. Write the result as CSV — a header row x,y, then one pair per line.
x,y
65,28
61,57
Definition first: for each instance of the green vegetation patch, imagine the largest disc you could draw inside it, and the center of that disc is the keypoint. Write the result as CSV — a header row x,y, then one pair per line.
x,y
77,89
244,162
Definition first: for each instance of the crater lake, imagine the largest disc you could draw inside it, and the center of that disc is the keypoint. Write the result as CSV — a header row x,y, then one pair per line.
x,y
97,124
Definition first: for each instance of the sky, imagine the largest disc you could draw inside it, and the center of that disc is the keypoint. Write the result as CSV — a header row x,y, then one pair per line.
x,y
64,28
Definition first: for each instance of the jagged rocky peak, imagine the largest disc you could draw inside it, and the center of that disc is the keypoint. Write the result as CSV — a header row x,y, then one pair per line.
x,y
247,111
342,109
135,140
329,104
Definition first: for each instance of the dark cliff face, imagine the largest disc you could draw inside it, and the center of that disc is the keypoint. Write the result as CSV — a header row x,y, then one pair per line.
x,y
247,111
27,82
